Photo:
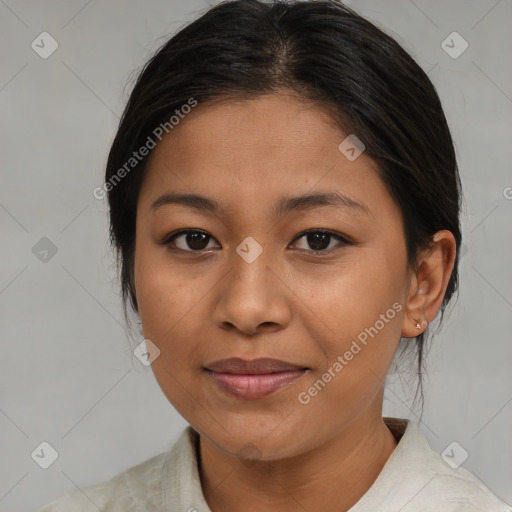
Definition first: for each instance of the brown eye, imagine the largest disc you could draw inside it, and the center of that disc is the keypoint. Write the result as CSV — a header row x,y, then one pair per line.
x,y
189,240
320,240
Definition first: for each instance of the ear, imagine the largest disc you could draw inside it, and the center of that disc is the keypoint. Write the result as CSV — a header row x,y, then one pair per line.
x,y
426,287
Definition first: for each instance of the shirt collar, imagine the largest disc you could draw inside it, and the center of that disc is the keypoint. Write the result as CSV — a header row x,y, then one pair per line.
x,y
181,484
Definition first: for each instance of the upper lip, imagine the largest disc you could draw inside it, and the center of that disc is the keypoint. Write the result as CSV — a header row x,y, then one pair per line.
x,y
259,366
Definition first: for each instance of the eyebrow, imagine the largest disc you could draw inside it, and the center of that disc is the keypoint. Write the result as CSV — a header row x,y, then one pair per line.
x,y
282,207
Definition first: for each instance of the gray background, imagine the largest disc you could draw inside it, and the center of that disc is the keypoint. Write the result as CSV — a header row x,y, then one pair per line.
x,y
67,373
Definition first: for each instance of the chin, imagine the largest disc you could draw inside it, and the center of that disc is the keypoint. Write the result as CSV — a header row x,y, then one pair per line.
x,y
249,441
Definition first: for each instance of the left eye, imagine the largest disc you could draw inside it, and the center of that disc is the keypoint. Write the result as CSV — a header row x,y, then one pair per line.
x,y
320,240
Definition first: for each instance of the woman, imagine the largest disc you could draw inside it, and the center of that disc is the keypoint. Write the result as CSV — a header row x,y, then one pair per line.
x,y
284,201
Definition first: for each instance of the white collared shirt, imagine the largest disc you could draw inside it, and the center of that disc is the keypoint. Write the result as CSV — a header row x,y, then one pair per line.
x,y
415,478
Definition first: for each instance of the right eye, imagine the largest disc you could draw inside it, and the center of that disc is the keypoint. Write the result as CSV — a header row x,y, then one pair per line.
x,y
189,240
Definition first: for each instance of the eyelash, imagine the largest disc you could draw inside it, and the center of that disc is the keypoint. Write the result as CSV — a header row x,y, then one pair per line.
x,y
343,240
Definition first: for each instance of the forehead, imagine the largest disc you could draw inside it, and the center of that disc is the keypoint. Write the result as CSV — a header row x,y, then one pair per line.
x,y
280,122
253,151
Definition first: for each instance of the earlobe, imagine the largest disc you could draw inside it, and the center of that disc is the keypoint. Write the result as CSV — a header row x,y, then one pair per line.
x,y
427,286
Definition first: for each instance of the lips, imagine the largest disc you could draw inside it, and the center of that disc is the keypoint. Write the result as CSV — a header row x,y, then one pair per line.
x,y
260,366
253,379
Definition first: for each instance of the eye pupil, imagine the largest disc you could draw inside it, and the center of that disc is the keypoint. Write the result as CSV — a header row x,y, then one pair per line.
x,y
196,240
317,240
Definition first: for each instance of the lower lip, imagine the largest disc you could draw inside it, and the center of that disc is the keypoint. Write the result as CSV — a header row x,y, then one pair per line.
x,y
255,386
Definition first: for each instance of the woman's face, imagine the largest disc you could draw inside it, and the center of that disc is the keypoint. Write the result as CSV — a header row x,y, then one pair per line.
x,y
253,285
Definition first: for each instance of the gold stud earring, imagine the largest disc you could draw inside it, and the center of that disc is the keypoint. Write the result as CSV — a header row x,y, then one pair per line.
x,y
418,325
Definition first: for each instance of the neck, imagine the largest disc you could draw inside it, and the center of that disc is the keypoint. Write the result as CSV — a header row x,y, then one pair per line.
x,y
334,475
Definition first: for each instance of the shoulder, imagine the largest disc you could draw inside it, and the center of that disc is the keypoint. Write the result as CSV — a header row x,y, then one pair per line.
x,y
120,493
416,478
459,490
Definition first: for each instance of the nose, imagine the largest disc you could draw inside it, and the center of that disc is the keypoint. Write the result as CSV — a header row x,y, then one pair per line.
x,y
252,297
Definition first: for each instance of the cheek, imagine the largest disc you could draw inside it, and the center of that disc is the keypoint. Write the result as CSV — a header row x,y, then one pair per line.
x,y
356,356
356,325
172,307
351,297
165,303
169,313
159,292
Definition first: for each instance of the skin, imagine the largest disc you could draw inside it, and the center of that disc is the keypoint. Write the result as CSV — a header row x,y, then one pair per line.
x,y
290,303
